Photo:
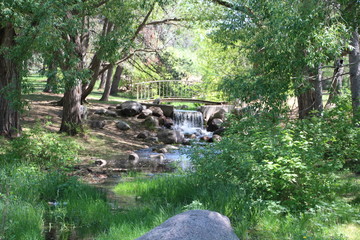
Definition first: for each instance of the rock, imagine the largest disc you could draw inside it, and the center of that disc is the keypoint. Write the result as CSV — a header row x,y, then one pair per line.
x,y
151,122
193,225
190,135
156,111
205,138
83,112
157,101
100,124
220,131
153,139
159,158
100,162
171,147
123,125
219,114
183,107
145,113
214,138
166,122
100,111
168,136
143,135
160,150
111,113
133,158
130,108
112,108
214,125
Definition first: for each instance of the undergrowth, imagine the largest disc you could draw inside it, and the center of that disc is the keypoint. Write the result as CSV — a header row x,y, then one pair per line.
x,y
273,179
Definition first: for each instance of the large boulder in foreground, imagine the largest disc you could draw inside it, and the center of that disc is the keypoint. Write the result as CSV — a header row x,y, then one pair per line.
x,y
193,225
130,108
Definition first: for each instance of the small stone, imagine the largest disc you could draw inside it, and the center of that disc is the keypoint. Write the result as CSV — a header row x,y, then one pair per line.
x,y
157,101
111,114
100,162
158,157
160,150
123,125
145,113
100,111
153,139
216,138
151,122
100,124
133,156
171,147
156,111
143,135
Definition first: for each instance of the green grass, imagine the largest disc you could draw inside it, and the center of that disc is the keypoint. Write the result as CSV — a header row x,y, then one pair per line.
x,y
174,194
83,211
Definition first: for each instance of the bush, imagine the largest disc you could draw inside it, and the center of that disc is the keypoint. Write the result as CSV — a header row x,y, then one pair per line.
x,y
46,149
293,163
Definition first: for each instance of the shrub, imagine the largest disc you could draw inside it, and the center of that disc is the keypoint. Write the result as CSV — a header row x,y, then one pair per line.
x,y
46,149
294,163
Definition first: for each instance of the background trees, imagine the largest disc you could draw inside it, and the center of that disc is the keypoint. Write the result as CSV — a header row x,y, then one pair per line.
x,y
253,51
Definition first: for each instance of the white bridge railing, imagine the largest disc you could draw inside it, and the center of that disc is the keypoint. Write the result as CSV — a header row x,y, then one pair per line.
x,y
165,89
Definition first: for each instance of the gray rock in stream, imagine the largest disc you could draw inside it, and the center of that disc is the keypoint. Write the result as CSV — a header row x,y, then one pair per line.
x,y
193,225
168,136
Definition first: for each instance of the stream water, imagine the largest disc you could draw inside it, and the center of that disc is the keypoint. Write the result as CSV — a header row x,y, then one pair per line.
x,y
189,123
176,158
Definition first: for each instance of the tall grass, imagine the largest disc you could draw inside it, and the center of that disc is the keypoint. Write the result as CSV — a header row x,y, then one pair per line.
x,y
162,197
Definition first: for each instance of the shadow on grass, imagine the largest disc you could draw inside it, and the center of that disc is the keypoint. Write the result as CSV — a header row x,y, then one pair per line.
x,y
42,97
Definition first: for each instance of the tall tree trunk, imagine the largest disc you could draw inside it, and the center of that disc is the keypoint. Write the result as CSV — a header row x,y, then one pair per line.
x,y
306,99
51,82
115,84
306,103
354,60
10,86
95,67
71,117
106,93
103,80
336,83
318,101
71,121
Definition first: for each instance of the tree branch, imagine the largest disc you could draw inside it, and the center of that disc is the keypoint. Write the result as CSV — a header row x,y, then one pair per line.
x,y
143,23
240,8
165,21
106,67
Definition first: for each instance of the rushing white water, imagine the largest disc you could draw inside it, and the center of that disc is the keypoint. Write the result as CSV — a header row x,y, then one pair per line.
x,y
189,122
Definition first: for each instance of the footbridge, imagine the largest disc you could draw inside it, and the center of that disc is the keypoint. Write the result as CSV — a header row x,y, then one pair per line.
x,y
171,91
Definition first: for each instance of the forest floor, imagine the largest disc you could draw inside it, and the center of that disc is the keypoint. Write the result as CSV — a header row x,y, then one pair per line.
x,y
109,143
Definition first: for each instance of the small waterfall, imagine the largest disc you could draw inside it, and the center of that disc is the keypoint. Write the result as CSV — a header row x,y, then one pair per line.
x,y
188,121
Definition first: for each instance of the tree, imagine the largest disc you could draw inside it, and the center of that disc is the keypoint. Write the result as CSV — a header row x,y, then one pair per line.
x,y
18,25
116,80
10,85
354,60
286,41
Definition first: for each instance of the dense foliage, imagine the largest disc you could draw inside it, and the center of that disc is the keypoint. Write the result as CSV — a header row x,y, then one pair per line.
x,y
294,163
